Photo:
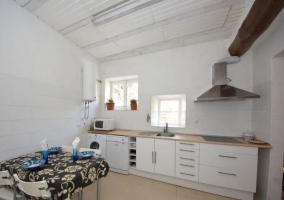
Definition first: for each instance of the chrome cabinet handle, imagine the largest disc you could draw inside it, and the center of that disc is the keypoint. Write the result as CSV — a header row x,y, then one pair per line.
x,y
187,150
186,158
187,174
222,156
155,157
152,157
227,173
187,144
186,165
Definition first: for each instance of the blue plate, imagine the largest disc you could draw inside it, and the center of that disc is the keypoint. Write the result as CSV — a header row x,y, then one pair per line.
x,y
33,164
54,150
86,154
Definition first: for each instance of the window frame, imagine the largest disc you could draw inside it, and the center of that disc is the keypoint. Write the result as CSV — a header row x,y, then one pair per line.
x,y
179,111
124,82
181,98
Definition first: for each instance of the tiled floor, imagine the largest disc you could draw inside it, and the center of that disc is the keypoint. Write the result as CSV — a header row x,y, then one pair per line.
x,y
129,187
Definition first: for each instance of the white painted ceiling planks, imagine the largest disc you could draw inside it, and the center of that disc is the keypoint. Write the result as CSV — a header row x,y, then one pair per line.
x,y
164,25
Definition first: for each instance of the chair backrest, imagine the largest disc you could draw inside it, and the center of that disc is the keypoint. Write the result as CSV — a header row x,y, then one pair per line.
x,y
66,148
35,189
97,152
6,178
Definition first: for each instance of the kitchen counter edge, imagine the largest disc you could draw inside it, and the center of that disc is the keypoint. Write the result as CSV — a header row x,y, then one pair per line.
x,y
180,137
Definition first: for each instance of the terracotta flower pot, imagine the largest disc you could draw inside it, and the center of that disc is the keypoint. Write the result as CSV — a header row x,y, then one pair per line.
x,y
133,106
110,106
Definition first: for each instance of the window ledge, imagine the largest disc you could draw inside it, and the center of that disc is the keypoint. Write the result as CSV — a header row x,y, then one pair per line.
x,y
121,110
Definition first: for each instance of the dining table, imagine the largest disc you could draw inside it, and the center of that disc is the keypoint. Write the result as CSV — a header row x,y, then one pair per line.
x,y
64,176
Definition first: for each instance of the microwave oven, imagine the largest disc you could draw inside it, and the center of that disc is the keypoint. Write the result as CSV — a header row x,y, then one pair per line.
x,y
104,124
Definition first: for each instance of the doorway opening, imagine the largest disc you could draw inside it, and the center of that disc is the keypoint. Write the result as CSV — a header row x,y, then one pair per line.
x,y
277,123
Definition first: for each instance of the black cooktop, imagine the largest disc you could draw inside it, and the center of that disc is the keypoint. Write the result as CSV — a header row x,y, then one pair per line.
x,y
221,139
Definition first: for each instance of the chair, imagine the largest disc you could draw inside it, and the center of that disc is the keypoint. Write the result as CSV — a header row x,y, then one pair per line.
x,y
6,179
66,148
35,189
97,152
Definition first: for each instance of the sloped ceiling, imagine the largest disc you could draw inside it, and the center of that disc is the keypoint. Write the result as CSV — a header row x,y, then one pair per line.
x,y
166,24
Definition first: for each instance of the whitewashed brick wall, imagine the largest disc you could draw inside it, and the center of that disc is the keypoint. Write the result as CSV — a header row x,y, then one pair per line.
x,y
187,71
40,84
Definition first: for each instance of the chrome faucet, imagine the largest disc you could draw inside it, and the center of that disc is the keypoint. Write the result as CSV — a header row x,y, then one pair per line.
x,y
166,128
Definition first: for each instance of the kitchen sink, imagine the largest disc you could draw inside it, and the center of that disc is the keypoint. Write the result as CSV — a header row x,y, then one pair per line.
x,y
148,133
221,139
157,134
166,135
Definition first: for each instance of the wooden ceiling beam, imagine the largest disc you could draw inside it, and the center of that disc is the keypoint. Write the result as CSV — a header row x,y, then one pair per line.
x,y
259,18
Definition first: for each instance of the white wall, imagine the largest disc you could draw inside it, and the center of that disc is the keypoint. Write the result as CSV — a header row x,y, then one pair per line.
x,y
277,125
40,84
187,71
263,117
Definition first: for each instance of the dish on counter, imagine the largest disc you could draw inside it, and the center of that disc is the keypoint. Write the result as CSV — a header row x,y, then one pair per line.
x,y
257,142
33,164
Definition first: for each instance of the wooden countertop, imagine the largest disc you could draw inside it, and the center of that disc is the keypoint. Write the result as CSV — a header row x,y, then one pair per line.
x,y
180,137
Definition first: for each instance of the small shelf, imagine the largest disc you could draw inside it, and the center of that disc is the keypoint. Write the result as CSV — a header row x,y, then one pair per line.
x,y
132,140
132,165
132,152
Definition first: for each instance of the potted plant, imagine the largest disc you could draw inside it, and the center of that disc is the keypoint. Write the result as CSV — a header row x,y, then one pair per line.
x,y
133,104
110,104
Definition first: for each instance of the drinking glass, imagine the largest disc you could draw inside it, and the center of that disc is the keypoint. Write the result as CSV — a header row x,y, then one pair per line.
x,y
45,156
75,154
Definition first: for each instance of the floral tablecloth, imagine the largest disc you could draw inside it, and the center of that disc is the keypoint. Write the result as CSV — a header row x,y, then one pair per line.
x,y
64,177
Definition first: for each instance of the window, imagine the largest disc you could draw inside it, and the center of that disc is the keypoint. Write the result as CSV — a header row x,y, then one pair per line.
x,y
170,109
122,90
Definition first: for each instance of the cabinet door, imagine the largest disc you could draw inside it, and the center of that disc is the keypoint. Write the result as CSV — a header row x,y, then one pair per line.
x,y
144,154
165,157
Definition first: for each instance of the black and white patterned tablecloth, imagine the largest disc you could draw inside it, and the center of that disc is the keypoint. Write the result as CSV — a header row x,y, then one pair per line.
x,y
64,177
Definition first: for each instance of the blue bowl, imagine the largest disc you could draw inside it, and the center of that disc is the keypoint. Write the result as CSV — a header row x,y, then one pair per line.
x,y
33,164
53,150
85,154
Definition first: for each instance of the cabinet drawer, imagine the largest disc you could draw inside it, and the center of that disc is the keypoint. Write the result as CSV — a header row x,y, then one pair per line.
x,y
190,145
187,152
184,174
229,149
187,159
228,178
228,160
187,167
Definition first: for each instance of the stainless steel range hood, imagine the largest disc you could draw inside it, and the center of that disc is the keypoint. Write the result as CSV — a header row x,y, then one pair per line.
x,y
222,91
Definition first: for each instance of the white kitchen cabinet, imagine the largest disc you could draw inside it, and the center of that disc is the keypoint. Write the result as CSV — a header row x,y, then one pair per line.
x,y
187,160
228,160
188,174
190,145
228,178
228,166
145,148
187,152
165,157
156,156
